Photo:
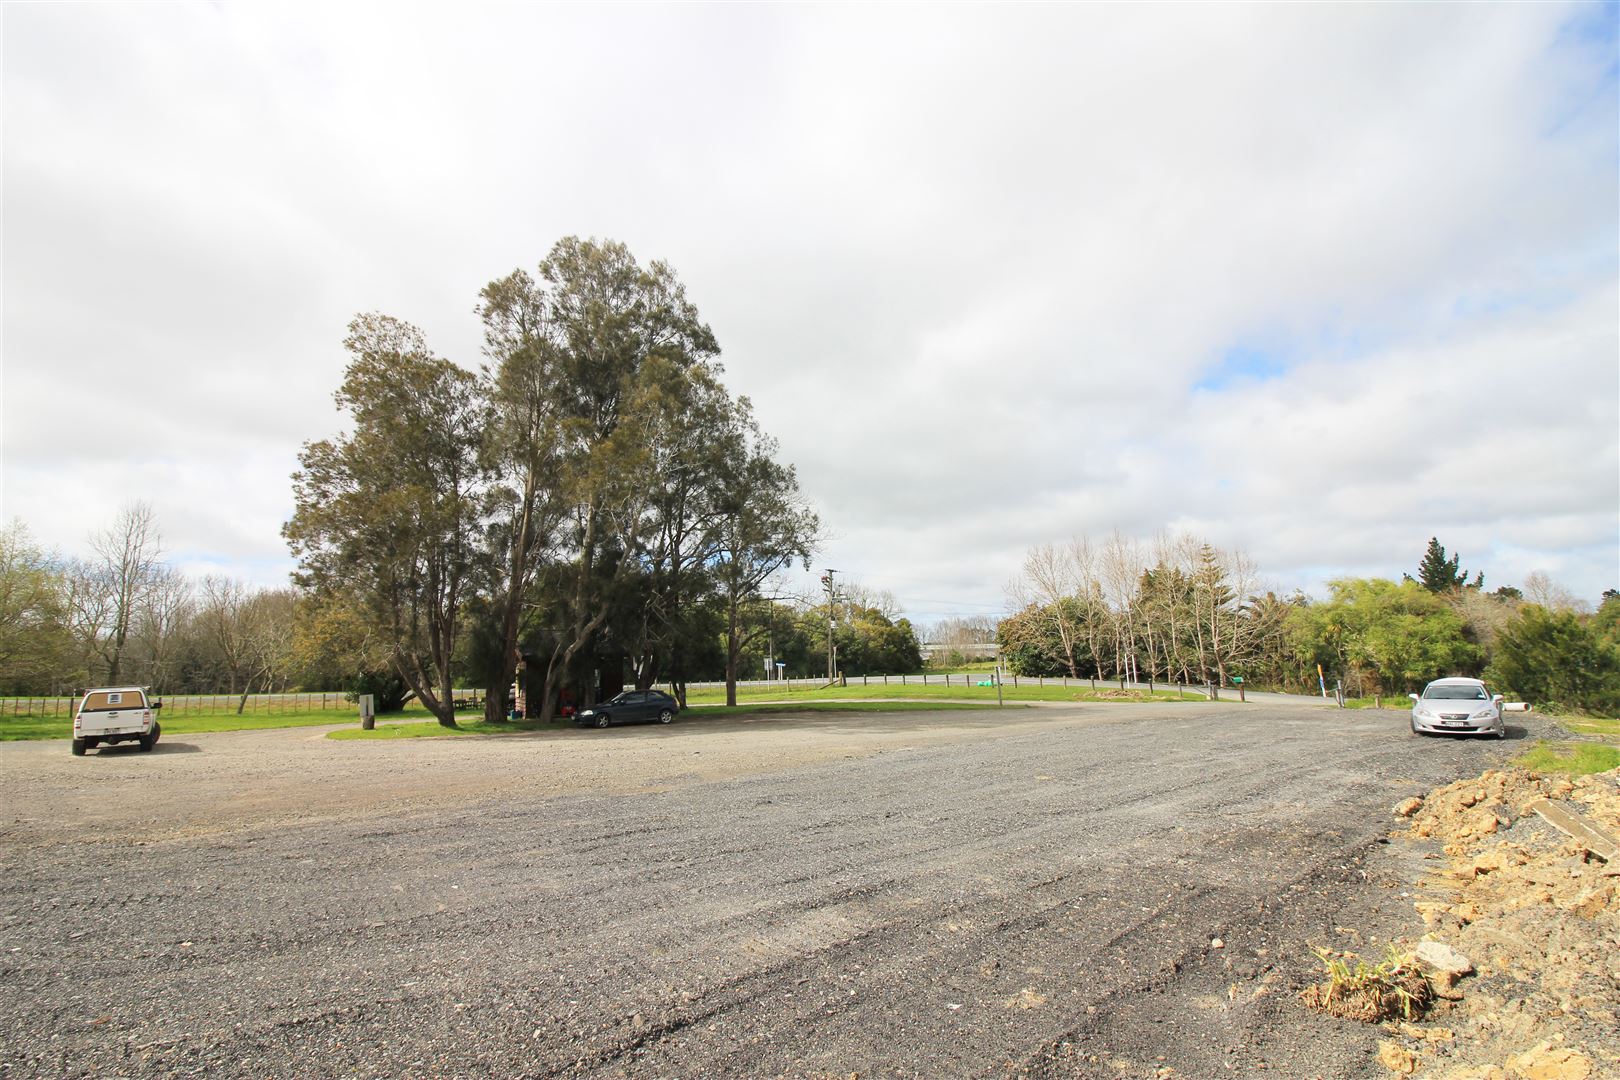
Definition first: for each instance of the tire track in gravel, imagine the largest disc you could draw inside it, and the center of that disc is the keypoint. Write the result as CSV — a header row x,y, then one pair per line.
x,y
822,917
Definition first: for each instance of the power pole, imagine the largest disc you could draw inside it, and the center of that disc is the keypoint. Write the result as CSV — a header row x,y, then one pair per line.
x,y
827,583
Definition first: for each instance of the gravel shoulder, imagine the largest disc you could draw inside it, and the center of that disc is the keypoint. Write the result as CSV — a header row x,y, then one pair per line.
x,y
1033,892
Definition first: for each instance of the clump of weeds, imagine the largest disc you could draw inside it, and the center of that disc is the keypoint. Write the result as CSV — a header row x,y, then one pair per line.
x,y
1371,993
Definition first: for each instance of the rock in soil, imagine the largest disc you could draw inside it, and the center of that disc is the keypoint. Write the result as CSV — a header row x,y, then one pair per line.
x,y
1524,931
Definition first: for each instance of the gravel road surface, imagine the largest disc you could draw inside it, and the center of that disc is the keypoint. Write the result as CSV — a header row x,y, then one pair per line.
x,y
1029,892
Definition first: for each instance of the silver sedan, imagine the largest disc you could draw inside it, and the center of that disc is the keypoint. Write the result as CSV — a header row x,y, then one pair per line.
x,y
1462,707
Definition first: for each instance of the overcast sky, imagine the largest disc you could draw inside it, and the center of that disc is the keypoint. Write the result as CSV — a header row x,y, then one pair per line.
x,y
1313,281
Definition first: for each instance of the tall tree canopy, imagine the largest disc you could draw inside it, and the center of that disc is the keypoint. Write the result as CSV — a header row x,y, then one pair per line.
x,y
384,516
594,497
1562,658
1385,637
1440,574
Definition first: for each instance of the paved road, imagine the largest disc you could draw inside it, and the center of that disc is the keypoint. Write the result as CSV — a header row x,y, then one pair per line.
x,y
953,894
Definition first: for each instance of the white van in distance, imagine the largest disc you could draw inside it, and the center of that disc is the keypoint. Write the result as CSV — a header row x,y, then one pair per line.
x,y
112,714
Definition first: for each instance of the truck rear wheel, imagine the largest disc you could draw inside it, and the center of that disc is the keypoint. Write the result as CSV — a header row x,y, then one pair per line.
x,y
149,741
78,748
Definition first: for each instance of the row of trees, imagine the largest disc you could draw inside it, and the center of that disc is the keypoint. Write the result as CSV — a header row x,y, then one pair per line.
x,y
1538,642
60,622
1181,609
594,493
868,636
1178,609
124,615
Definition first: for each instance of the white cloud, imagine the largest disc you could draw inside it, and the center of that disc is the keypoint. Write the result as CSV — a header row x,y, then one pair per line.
x,y
970,263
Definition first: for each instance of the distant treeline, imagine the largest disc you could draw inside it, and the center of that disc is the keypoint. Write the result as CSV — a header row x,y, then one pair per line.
x,y
1183,610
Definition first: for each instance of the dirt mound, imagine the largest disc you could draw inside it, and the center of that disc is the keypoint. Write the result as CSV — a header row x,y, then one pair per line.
x,y
1533,918
1460,814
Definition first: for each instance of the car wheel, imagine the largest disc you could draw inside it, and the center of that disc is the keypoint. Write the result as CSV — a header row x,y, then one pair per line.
x,y
666,715
602,721
1415,730
149,741
78,748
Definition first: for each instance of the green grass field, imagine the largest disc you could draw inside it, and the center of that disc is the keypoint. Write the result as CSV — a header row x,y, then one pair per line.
x,y
33,727
753,698
433,728
1025,691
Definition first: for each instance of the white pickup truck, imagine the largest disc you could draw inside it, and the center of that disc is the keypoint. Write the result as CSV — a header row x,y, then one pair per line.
x,y
112,714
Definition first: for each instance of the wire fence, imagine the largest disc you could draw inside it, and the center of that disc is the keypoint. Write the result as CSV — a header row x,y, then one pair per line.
x,y
340,702
214,704
968,679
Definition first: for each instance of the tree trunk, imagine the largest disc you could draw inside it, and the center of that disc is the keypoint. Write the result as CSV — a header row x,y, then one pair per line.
x,y
422,686
495,705
733,648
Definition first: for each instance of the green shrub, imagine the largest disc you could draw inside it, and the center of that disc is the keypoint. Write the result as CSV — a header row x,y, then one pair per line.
x,y
1556,656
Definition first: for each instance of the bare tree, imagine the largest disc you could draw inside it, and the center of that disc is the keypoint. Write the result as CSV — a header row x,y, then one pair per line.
x,y
223,615
1540,588
957,632
1485,614
108,591
271,615
1049,582
251,631
1120,567
1245,637
167,610
852,594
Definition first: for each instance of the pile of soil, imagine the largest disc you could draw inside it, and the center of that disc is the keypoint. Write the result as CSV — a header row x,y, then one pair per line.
x,y
1529,987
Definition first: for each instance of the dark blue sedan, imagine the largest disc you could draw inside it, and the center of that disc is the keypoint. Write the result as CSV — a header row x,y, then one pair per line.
x,y
630,707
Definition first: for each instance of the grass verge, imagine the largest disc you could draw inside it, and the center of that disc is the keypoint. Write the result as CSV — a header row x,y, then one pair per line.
x,y
1592,725
1573,758
425,729
33,727
1399,703
432,728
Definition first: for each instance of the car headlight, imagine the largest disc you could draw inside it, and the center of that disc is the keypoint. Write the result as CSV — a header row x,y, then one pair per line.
x,y
1421,711
1484,714
588,712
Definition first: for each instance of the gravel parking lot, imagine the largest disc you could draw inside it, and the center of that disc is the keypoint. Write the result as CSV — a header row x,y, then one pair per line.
x,y
1028,892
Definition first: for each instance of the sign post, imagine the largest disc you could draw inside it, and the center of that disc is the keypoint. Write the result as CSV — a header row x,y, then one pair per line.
x,y
1237,681
368,713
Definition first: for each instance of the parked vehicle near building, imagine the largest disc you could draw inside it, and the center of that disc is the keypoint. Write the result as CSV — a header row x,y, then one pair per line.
x,y
115,714
630,707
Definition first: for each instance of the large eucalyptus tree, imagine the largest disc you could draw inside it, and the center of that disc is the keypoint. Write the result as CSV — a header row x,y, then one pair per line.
x,y
384,515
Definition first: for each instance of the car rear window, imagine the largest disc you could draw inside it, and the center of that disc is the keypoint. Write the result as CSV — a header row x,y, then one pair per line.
x,y
108,700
